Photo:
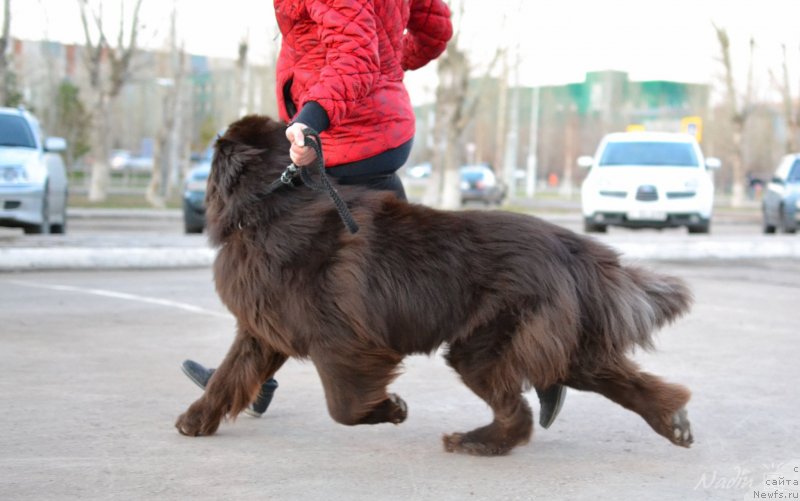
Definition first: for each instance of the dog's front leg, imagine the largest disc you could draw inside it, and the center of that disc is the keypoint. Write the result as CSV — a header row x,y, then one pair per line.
x,y
355,386
232,387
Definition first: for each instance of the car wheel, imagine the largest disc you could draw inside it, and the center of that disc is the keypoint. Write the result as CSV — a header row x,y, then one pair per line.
x,y
788,224
192,229
590,227
702,228
44,226
192,225
61,228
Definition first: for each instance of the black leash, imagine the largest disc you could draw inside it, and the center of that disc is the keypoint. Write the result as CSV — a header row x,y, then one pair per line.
x,y
312,139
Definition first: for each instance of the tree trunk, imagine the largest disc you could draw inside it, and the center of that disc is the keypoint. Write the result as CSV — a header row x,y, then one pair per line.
x,y
101,177
118,59
570,149
166,161
737,166
502,116
4,44
738,113
156,194
789,115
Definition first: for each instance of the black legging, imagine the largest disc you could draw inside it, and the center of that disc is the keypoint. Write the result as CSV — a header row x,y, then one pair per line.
x,y
378,182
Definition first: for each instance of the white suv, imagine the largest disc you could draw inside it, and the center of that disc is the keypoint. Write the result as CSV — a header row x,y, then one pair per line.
x,y
648,180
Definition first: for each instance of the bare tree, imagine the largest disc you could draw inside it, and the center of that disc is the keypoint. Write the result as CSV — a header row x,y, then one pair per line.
x,y
169,138
109,68
739,110
4,44
454,111
450,112
791,112
242,79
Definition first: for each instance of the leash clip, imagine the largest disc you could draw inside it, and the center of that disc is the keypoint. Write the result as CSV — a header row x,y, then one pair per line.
x,y
288,174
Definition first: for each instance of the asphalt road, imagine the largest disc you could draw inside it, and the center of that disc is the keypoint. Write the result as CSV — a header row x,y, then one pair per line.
x,y
90,387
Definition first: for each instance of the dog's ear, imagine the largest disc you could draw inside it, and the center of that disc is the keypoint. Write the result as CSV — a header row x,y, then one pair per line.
x,y
253,150
225,170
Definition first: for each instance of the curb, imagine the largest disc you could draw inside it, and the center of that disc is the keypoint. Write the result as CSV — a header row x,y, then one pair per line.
x,y
82,258
77,258
702,250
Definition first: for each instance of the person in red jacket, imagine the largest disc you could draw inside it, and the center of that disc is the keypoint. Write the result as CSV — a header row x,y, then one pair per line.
x,y
340,72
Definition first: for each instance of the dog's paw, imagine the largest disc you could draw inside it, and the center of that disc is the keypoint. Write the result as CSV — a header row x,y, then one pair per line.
x,y
391,410
194,422
452,442
399,409
187,426
681,429
466,443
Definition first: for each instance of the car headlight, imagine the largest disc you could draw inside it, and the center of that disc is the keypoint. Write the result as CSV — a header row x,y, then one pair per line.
x,y
14,174
607,184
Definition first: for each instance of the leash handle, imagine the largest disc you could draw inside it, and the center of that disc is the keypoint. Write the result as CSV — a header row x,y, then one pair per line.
x,y
312,138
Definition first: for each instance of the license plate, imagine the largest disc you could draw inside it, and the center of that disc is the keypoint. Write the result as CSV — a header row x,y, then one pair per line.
x,y
647,215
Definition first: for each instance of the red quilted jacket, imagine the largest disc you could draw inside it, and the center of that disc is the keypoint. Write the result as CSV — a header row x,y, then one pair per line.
x,y
348,56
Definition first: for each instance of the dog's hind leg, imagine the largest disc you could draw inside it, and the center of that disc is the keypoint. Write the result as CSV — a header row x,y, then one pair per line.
x,y
233,386
500,387
661,404
355,386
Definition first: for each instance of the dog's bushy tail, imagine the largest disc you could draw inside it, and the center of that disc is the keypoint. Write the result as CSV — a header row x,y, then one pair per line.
x,y
669,296
634,304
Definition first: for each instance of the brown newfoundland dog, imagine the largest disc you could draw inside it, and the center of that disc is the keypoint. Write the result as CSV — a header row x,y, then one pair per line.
x,y
517,302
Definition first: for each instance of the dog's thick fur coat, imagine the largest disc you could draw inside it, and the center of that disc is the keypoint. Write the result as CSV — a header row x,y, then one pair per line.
x,y
517,301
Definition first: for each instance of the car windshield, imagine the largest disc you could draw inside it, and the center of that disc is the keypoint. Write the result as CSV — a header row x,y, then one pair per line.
x,y
200,175
649,153
794,174
476,174
14,131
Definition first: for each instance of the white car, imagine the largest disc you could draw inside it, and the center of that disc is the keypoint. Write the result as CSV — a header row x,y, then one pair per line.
x,y
33,180
648,180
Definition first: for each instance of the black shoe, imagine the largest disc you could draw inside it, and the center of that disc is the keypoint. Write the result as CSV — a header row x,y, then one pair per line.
x,y
550,400
200,376
262,401
197,373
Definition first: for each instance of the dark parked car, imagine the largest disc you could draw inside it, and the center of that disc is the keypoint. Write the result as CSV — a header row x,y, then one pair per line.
x,y
781,203
33,180
194,194
480,184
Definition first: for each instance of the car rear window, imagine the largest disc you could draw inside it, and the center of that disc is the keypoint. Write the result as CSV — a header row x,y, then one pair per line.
x,y
649,153
14,131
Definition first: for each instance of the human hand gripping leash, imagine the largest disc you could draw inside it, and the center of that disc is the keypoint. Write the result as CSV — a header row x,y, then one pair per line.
x,y
312,139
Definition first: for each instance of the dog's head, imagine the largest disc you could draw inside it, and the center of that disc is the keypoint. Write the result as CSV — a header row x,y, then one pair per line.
x,y
250,155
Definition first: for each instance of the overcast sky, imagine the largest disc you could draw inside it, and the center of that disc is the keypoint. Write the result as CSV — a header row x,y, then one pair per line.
x,y
558,40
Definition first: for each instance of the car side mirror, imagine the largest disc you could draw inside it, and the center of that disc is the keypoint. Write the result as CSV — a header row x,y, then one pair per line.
x,y
585,161
713,163
777,180
55,144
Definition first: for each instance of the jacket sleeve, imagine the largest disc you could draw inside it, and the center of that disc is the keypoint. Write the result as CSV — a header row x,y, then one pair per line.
x,y
347,30
429,30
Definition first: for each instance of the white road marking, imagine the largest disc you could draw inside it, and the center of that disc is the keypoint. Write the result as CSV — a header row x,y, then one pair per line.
x,y
124,296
